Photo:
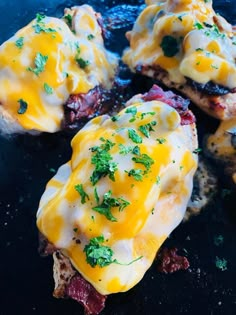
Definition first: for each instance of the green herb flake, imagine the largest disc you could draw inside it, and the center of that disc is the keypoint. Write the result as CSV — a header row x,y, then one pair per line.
x,y
152,211
198,63
137,174
214,67
82,63
83,195
161,140
147,113
40,62
108,203
23,106
103,162
98,254
218,240
181,167
134,136
197,151
96,195
19,42
145,160
158,180
169,46
68,19
124,150
114,118
221,264
136,150
199,49
48,89
146,129
198,26
90,36
40,17
75,230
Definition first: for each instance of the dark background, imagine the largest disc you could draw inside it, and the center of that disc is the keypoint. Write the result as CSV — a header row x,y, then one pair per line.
x,y
27,163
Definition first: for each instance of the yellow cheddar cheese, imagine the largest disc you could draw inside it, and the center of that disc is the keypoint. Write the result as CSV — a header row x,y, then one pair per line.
x,y
185,38
45,62
127,184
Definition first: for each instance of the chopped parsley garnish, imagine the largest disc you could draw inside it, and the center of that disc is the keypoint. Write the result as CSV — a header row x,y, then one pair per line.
x,y
96,195
218,240
100,255
181,167
214,67
82,63
134,136
197,151
146,129
114,118
221,264
40,25
161,140
198,26
79,188
75,230
124,150
136,150
158,180
145,160
40,62
90,36
23,106
48,89
133,111
198,63
170,46
20,42
108,203
40,17
103,162
199,49
68,19
137,174
147,113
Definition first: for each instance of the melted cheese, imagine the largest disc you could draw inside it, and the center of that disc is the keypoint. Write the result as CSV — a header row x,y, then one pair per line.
x,y
157,202
203,55
61,72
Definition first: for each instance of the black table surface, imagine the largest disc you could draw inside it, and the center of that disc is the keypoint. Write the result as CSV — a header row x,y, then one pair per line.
x,y
26,164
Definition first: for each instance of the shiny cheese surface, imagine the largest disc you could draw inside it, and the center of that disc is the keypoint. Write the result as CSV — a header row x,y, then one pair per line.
x,y
204,42
61,73
156,203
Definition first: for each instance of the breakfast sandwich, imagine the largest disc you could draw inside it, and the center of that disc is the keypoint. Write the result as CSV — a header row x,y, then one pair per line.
x,y
185,45
54,72
107,211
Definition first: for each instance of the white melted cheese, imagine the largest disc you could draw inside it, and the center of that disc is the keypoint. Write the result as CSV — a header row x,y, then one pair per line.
x,y
203,53
156,203
61,72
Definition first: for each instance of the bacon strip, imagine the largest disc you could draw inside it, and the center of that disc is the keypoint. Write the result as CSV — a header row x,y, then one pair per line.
x,y
84,293
177,102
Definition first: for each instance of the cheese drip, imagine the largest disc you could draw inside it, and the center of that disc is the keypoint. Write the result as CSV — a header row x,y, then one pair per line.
x,y
45,62
185,38
156,202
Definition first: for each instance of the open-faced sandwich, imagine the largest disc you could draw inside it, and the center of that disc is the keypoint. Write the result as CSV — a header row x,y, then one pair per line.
x,y
54,72
187,46
106,212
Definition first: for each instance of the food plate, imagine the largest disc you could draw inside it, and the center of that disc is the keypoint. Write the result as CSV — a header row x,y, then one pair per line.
x,y
27,163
